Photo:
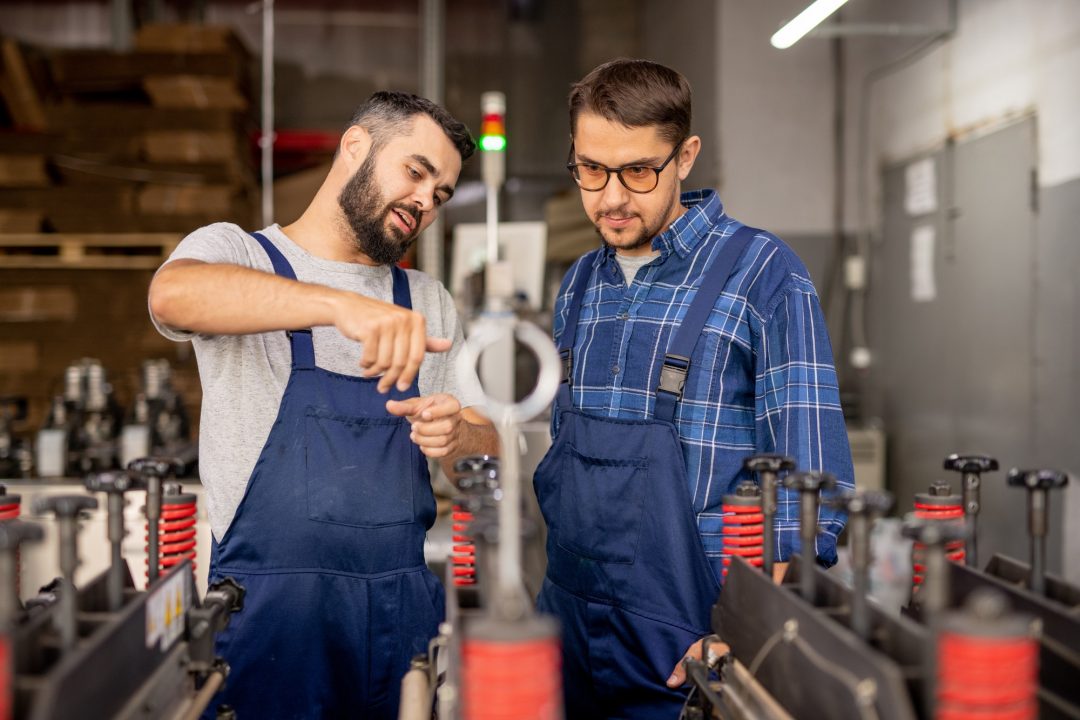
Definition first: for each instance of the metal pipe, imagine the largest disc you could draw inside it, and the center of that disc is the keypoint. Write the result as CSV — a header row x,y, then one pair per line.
x,y
266,138
206,695
432,82
972,481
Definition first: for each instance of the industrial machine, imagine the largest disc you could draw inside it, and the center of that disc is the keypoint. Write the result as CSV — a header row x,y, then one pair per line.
x,y
81,432
16,457
158,423
105,650
493,657
1003,642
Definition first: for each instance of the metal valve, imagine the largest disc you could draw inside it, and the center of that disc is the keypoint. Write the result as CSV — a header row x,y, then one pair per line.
x,y
1037,483
809,484
768,467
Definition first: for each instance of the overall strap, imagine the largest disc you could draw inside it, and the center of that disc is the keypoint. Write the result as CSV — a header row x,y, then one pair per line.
x,y
677,360
303,349
402,296
569,333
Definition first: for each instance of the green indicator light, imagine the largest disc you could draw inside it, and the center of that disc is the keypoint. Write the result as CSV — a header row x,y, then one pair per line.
x,y
492,143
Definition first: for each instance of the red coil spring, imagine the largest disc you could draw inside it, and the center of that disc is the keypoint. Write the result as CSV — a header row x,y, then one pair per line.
x,y
9,510
953,551
176,532
987,678
511,680
463,552
743,534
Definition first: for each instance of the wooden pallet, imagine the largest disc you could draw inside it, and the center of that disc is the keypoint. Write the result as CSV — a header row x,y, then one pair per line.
x,y
116,251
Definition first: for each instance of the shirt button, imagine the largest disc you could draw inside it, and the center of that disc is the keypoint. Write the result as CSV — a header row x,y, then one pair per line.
x,y
624,316
615,370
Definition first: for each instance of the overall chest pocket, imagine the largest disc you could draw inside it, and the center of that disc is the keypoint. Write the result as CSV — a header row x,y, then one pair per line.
x,y
600,506
360,472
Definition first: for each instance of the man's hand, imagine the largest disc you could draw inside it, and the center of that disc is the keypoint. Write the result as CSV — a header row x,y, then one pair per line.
x,y
436,422
395,340
678,675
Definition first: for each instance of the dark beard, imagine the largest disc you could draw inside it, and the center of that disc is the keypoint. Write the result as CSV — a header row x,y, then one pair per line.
x,y
645,237
364,210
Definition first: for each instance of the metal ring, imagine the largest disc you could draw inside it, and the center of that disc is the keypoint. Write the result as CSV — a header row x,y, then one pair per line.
x,y
486,333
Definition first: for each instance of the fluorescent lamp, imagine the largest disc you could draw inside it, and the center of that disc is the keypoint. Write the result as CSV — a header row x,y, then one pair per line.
x,y
804,22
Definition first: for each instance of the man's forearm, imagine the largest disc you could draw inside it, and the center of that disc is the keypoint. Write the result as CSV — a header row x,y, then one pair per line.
x,y
232,300
475,439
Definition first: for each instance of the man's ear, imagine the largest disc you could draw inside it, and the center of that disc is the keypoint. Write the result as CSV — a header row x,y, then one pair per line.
x,y
354,147
688,155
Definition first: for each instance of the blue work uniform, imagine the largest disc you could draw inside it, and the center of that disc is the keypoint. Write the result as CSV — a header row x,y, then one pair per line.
x,y
328,542
627,573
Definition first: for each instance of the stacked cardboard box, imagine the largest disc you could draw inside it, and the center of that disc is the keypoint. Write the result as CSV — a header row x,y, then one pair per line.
x,y
151,140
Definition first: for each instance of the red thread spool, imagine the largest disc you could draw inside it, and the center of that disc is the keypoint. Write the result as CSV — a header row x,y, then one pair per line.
x,y
941,505
176,529
988,664
743,534
463,550
512,671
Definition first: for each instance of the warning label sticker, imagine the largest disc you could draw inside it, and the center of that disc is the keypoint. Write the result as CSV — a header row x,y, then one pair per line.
x,y
166,612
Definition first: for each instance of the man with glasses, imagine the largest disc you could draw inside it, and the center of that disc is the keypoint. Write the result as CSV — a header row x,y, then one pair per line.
x,y
689,342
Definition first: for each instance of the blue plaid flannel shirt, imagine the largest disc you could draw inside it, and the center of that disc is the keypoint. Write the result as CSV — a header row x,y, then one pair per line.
x,y
762,378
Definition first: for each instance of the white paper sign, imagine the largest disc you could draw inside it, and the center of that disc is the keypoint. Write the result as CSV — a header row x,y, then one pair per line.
x,y
166,612
920,181
923,287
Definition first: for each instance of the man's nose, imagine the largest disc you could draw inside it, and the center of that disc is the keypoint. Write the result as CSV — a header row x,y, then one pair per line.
x,y
614,195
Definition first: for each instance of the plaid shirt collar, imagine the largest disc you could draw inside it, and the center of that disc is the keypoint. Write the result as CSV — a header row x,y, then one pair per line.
x,y
703,212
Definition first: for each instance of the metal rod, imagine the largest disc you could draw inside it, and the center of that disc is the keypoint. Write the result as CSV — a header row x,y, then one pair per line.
x,y
492,226
432,82
153,517
116,538
860,561
66,617
205,696
509,601
1037,525
9,594
768,511
808,507
971,517
266,138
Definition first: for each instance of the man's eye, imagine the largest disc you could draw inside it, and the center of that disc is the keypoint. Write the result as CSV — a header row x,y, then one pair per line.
x,y
637,172
413,172
592,169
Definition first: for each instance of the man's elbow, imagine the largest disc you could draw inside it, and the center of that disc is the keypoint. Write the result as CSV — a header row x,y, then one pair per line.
x,y
166,298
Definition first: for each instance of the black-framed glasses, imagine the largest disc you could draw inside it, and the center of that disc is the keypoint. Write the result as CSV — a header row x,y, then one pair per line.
x,y
635,178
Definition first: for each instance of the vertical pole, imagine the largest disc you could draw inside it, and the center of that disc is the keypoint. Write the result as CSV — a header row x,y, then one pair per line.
x,y
432,84
266,139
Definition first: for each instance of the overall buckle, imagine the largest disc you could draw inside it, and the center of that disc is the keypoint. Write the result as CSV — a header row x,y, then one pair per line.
x,y
673,375
567,356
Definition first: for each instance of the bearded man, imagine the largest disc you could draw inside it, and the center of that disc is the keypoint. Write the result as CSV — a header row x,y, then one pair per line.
x,y
328,375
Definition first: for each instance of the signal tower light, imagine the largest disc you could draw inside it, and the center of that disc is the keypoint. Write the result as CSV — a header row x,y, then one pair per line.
x,y
493,124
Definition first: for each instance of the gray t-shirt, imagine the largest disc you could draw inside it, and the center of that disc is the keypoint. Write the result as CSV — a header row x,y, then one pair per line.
x,y
244,376
630,264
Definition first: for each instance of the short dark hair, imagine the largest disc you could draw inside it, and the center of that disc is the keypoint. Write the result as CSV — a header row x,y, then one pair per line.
x,y
388,114
636,93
